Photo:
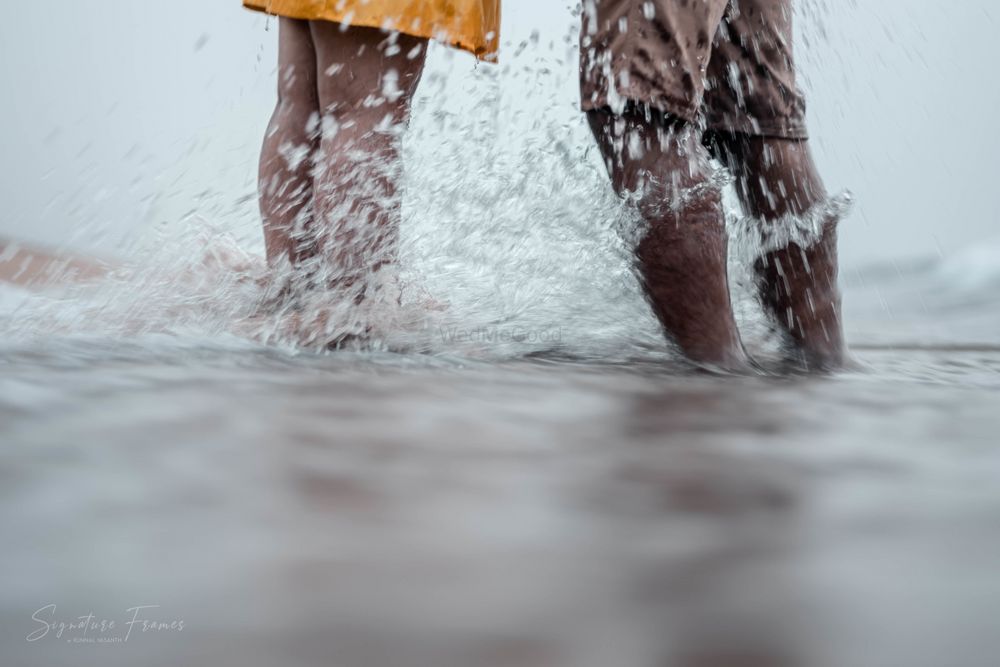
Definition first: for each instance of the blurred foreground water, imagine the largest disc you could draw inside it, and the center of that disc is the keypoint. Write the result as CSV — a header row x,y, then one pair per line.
x,y
380,508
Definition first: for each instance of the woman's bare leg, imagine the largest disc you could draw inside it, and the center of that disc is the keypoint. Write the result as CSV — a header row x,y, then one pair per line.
x,y
366,83
286,162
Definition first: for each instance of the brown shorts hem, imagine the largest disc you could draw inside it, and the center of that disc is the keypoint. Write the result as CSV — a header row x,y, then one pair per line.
x,y
675,107
724,65
774,128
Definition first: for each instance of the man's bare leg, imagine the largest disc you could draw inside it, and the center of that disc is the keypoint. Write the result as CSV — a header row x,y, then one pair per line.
x,y
287,157
366,84
798,285
682,259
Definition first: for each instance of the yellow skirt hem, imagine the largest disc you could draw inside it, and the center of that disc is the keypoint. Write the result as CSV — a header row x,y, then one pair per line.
x,y
485,49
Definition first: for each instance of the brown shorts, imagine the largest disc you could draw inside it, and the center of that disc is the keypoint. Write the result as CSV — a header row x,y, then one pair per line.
x,y
724,64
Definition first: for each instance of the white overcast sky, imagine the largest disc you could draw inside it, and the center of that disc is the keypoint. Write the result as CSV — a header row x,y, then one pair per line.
x,y
122,113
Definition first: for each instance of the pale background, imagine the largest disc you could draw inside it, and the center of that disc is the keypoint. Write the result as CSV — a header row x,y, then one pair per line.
x,y
125,113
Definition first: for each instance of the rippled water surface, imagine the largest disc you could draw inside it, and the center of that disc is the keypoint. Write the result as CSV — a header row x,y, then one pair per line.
x,y
402,509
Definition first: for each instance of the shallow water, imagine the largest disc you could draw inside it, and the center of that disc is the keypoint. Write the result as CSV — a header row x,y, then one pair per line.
x,y
520,473
398,509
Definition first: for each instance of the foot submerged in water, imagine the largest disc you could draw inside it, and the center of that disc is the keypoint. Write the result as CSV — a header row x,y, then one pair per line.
x,y
797,286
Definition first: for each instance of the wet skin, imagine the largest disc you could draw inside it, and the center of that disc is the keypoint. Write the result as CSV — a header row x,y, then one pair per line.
x,y
330,154
664,164
682,257
797,286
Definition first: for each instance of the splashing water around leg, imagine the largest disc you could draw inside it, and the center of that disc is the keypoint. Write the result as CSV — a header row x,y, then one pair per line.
x,y
329,168
660,163
791,240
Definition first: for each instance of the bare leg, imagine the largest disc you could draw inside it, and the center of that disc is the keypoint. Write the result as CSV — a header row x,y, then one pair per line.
x,y
287,157
366,84
33,267
682,259
776,178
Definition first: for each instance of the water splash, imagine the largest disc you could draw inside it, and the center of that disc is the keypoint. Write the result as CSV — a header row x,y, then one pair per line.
x,y
512,243
752,238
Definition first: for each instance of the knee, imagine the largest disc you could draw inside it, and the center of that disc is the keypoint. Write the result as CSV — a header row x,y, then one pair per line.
x,y
289,149
291,141
295,121
297,100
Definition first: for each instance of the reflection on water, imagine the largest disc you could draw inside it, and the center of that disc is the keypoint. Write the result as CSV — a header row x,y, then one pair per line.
x,y
386,509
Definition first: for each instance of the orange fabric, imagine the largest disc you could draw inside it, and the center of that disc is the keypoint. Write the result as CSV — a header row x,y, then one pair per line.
x,y
473,25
